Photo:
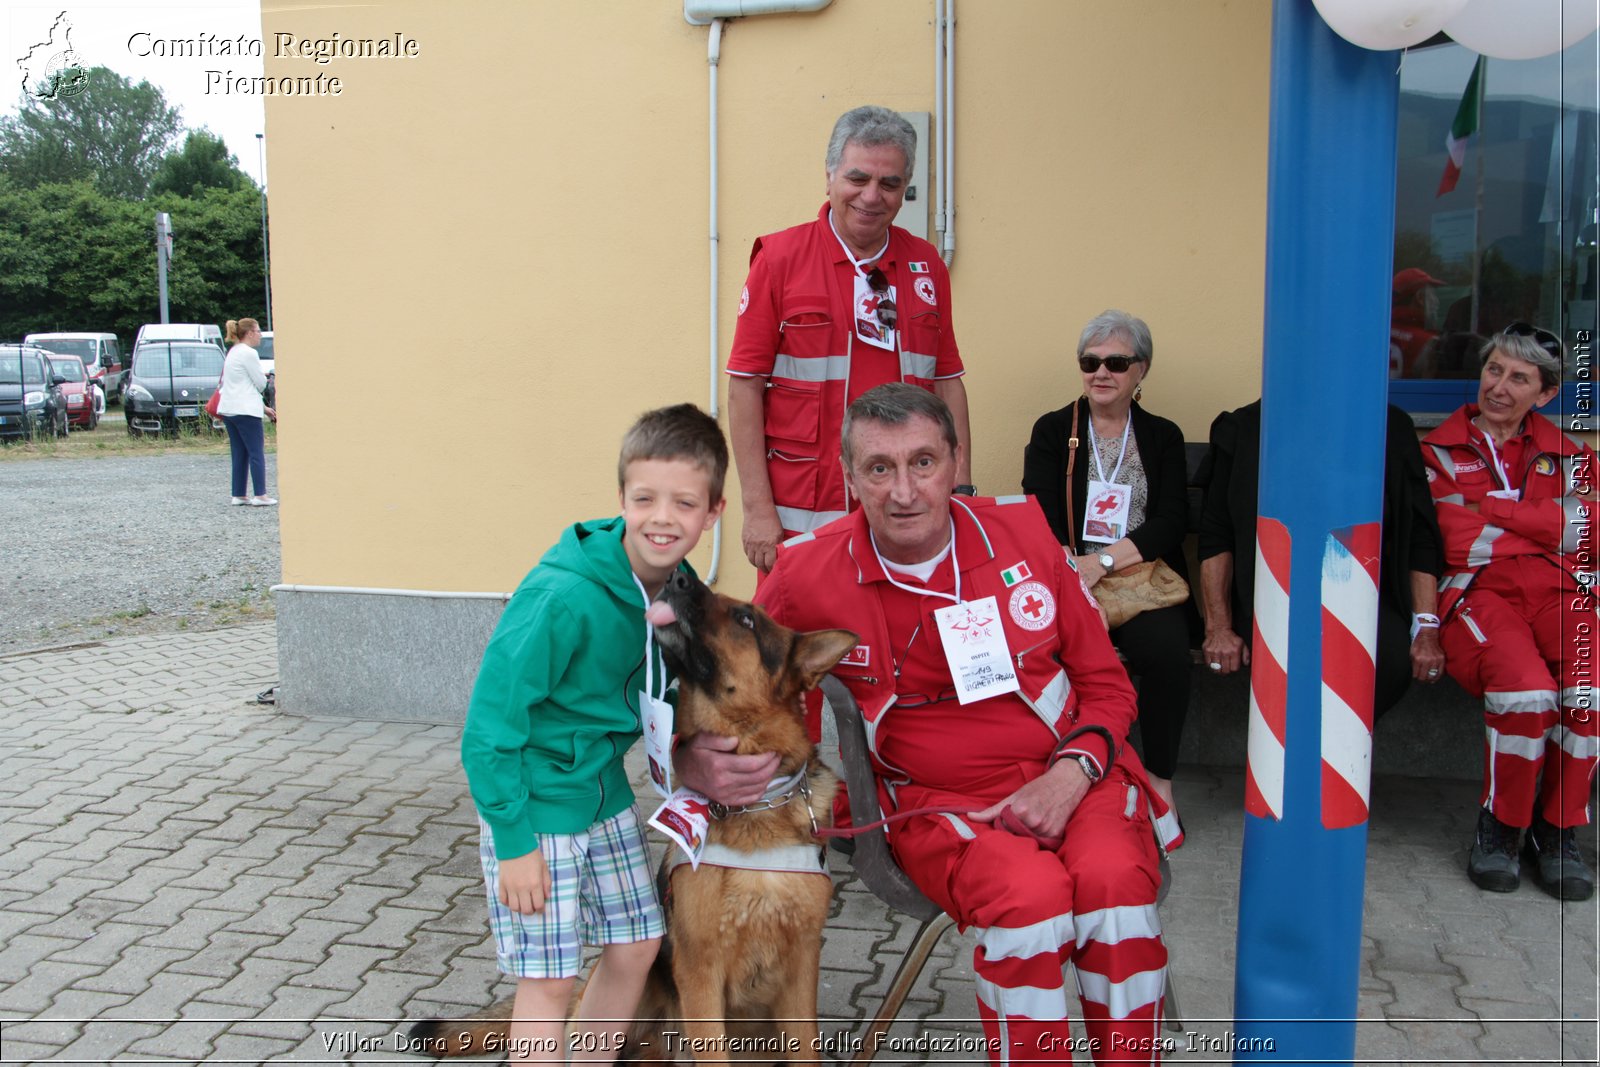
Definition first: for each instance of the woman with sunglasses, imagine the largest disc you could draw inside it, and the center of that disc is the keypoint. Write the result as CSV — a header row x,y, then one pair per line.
x,y
1128,503
1516,506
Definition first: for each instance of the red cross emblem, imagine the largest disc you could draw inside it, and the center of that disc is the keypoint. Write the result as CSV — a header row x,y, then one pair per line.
x,y
1033,606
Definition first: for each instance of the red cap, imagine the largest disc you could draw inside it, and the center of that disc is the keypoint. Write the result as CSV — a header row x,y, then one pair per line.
x,y
1411,279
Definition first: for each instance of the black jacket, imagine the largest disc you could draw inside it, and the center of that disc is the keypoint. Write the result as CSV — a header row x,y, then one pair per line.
x,y
1160,442
1411,540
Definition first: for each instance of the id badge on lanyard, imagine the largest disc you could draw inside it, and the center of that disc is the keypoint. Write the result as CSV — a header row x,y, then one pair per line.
x,y
1105,511
865,306
655,714
971,634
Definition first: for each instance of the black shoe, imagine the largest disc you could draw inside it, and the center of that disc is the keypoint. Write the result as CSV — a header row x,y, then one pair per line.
x,y
1558,867
1493,863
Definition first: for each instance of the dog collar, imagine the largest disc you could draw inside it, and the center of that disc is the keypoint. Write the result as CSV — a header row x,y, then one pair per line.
x,y
779,792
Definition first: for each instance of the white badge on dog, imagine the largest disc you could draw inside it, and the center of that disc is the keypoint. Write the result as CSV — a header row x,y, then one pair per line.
x,y
1105,511
684,818
976,650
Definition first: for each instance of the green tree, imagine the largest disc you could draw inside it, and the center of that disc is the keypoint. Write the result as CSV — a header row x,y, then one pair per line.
x,y
114,134
203,162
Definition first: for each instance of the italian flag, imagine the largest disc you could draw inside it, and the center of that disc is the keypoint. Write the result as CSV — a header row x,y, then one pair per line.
x,y
1014,574
1465,125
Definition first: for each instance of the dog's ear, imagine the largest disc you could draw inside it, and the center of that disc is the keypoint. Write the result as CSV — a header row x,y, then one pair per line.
x,y
815,654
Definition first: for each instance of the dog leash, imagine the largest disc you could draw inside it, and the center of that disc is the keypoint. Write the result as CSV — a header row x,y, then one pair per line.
x,y
1005,820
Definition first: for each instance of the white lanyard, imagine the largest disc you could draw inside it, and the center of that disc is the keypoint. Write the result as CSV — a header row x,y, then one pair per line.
x,y
1494,454
649,650
954,565
1122,455
854,262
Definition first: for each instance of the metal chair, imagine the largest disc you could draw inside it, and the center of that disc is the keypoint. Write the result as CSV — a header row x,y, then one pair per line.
x,y
875,865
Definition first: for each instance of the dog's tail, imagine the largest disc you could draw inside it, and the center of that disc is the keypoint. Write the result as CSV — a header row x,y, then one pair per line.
x,y
443,1038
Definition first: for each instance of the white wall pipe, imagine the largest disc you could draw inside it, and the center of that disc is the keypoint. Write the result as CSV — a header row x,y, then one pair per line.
x,y
947,138
713,59
700,12
937,157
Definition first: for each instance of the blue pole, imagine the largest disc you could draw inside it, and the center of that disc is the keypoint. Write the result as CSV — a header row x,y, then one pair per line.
x,y
1330,239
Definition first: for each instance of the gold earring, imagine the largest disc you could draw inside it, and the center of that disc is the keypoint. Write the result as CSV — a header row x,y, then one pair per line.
x,y
1138,393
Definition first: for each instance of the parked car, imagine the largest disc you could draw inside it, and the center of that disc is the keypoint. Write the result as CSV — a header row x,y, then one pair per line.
x,y
269,366
83,408
170,384
101,354
179,331
31,401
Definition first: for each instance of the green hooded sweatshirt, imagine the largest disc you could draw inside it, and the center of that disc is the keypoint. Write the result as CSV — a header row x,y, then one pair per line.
x,y
556,703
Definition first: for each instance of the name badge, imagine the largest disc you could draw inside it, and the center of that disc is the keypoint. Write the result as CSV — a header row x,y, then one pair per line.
x,y
1105,511
868,328
684,818
655,719
975,649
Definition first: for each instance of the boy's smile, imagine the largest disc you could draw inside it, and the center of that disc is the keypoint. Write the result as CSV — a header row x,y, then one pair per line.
x,y
666,506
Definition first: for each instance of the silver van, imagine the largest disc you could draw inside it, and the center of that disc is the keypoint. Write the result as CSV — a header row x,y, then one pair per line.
x,y
179,331
101,354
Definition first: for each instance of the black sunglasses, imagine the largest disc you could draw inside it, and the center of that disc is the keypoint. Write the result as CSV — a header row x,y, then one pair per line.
x,y
1543,338
1114,364
887,315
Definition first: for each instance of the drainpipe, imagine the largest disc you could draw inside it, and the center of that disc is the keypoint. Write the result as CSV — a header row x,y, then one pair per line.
x,y
944,91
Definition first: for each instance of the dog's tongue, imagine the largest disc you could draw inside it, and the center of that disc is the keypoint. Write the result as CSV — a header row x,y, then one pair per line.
x,y
660,613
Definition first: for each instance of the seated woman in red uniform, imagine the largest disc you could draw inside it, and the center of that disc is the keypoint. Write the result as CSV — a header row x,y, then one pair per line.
x,y
1515,498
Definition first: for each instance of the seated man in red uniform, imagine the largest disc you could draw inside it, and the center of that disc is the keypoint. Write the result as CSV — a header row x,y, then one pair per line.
x,y
991,692
831,308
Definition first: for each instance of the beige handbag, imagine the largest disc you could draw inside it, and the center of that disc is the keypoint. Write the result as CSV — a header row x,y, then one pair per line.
x,y
1125,593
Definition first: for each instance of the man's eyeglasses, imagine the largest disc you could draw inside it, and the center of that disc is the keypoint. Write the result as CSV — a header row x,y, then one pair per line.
x,y
1114,364
1543,338
887,315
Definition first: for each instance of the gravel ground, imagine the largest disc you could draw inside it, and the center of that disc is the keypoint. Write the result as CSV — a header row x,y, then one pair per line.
x,y
104,547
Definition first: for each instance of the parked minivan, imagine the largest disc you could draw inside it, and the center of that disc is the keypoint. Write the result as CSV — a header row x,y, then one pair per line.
x,y
179,331
170,384
101,354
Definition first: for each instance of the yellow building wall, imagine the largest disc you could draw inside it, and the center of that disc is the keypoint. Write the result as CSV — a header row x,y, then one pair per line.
x,y
486,260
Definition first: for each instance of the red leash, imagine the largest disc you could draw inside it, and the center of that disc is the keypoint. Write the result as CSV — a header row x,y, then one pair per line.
x,y
1005,820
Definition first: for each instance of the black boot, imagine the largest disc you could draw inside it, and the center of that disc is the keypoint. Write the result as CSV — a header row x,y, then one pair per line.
x,y
1557,864
1493,863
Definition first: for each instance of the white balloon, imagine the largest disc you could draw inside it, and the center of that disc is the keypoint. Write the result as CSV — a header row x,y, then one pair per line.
x,y
1523,29
1385,25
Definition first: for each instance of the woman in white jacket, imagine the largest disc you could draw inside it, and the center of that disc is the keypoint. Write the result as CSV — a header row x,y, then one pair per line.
x,y
242,410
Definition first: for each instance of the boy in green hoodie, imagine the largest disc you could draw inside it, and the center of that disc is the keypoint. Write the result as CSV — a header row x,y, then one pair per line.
x,y
555,707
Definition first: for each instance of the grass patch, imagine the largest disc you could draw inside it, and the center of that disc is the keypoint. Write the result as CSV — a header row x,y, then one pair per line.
x,y
111,438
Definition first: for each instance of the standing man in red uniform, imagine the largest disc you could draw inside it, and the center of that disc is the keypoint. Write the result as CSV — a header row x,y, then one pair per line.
x,y
991,691
830,309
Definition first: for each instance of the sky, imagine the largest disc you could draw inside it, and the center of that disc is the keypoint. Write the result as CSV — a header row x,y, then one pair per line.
x,y
122,35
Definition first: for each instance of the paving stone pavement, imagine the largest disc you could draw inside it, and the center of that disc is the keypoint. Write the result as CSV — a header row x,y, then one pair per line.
x,y
187,877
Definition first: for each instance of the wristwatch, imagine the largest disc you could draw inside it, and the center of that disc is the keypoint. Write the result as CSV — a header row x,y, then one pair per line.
x,y
1105,560
965,490
1089,769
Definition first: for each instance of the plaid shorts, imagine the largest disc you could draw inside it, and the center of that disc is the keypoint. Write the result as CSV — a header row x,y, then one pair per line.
x,y
601,893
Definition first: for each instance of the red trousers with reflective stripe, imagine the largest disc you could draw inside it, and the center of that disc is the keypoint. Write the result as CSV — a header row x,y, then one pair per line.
x,y
1523,642
1091,904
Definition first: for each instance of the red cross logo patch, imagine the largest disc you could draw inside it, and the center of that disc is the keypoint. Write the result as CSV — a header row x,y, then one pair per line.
x,y
1033,606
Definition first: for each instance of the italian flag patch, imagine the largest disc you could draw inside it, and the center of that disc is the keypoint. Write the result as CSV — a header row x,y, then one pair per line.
x,y
918,267
1017,572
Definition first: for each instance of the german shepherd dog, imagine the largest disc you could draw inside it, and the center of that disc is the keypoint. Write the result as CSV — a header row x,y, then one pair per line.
x,y
736,977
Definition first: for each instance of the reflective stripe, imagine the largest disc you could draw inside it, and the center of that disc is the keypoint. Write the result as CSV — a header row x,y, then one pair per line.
x,y
1133,802
1109,926
1020,942
1446,463
811,368
1123,998
784,858
1578,746
1168,828
1030,1002
1052,702
1452,498
1019,499
1535,701
1528,748
1459,580
917,365
959,825
1586,697
800,539
1482,550
802,521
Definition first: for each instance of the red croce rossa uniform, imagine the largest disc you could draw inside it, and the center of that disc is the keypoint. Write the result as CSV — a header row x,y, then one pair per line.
x,y
796,329
1092,902
1516,599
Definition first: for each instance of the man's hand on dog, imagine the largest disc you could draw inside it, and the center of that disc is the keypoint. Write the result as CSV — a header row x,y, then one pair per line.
x,y
1043,806
525,883
707,764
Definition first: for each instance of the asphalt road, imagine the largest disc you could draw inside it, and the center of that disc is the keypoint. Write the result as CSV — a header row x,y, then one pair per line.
x,y
104,547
